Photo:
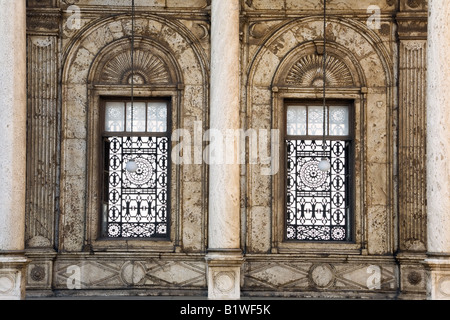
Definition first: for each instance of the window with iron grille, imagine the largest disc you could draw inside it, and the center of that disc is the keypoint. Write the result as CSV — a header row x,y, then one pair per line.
x,y
318,203
135,204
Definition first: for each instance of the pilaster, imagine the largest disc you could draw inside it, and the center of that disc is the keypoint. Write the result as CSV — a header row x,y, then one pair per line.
x,y
412,35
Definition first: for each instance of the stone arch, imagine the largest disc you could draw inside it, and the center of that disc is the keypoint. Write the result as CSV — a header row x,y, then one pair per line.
x,y
368,81
168,36
303,67
362,43
152,64
88,62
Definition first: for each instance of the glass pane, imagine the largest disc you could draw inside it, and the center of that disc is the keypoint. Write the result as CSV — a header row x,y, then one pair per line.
x,y
137,112
339,121
296,120
114,116
317,202
157,117
315,120
137,202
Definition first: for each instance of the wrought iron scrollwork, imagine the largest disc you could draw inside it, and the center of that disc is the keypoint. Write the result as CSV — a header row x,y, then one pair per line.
x,y
317,202
137,205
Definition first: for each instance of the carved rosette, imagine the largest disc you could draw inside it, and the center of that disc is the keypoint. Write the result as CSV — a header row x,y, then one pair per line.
x,y
308,72
148,69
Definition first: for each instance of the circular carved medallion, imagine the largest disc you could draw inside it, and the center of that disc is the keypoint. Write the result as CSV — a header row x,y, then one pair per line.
x,y
133,273
322,275
414,278
224,282
6,284
37,273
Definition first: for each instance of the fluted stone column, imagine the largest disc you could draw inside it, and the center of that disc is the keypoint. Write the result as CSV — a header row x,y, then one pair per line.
x,y
438,150
12,147
224,255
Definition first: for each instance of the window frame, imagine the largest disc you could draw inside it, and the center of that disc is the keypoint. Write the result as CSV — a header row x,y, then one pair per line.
x,y
316,103
103,133
282,97
351,137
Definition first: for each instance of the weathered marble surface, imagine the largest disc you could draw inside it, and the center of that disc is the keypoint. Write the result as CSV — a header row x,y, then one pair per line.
x,y
244,209
13,148
438,146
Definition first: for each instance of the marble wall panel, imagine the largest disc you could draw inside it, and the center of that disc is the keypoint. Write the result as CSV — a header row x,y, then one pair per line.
x,y
87,48
119,273
305,277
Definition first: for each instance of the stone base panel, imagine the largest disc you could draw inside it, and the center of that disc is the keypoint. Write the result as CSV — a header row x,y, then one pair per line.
x,y
259,276
438,278
12,277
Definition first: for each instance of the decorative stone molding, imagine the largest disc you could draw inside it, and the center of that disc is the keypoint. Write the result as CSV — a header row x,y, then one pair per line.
x,y
224,274
308,72
12,277
303,277
412,275
41,3
149,68
412,25
43,21
168,273
39,272
415,4
438,278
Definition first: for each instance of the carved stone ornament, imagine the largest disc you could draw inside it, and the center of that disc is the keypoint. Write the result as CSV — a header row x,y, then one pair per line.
x,y
390,2
148,69
43,21
308,72
414,278
37,273
40,3
224,282
322,276
414,3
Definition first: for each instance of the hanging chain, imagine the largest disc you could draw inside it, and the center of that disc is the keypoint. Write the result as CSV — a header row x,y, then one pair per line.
x,y
132,63
324,68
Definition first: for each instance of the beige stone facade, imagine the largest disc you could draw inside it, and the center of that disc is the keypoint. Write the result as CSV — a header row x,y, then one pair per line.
x,y
228,64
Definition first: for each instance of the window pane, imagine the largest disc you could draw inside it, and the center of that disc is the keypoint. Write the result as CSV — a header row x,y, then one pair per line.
x,y
317,202
339,121
315,120
137,112
115,117
137,202
157,117
296,120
